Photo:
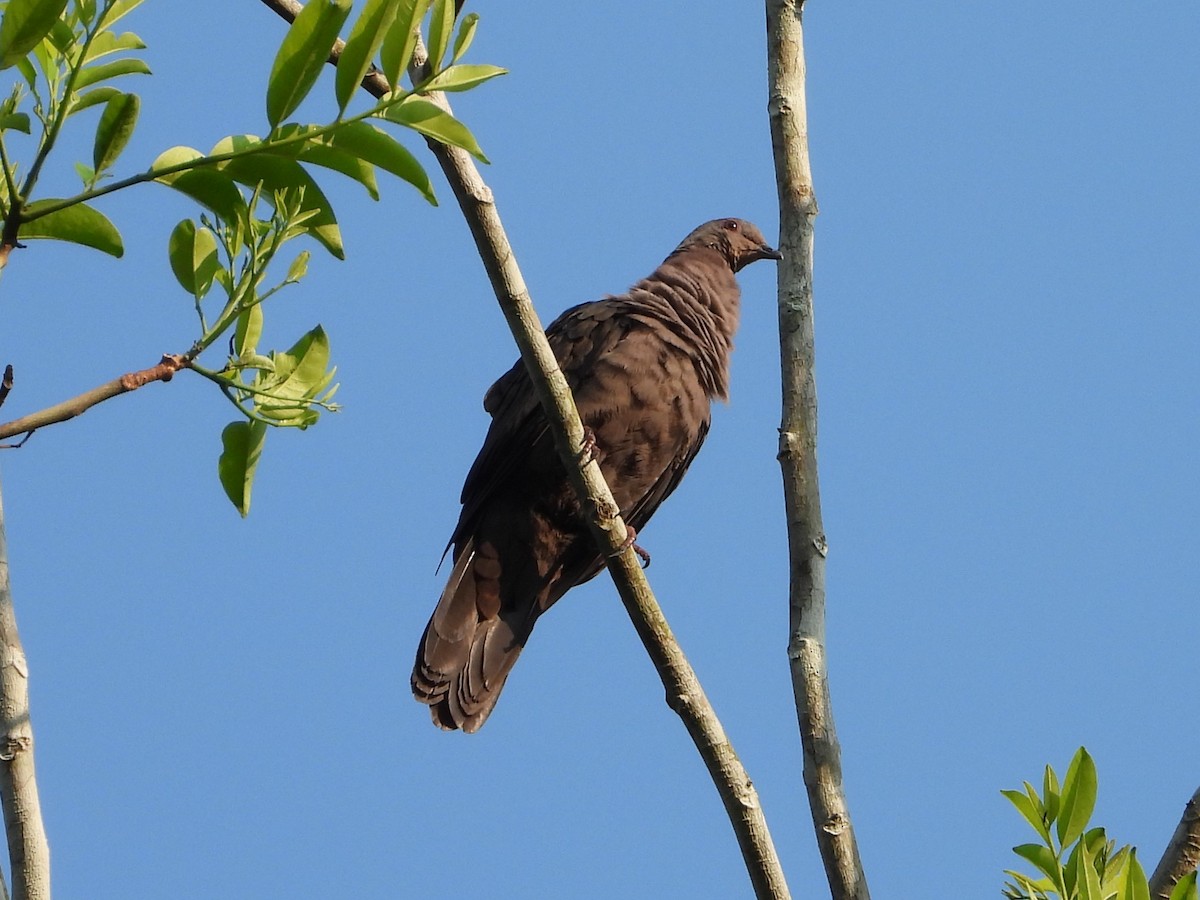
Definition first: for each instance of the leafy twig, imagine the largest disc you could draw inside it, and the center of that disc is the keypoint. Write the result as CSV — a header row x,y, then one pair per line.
x,y
164,370
798,455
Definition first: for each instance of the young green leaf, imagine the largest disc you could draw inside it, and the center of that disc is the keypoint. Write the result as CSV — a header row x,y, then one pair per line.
x,y
92,97
461,78
1185,889
1032,813
278,173
107,42
17,121
1050,794
365,38
1087,880
24,25
466,34
90,75
193,255
441,29
77,224
119,10
299,267
1136,887
304,50
114,129
207,186
241,446
377,147
1040,856
401,39
1078,798
429,119
248,330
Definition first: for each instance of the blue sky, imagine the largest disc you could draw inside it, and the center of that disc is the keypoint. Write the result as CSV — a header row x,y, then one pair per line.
x,y
1008,374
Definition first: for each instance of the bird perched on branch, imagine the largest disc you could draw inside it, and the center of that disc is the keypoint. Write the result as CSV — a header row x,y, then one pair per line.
x,y
643,367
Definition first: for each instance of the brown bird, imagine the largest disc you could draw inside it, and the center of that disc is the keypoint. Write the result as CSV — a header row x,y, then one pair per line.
x,y
643,367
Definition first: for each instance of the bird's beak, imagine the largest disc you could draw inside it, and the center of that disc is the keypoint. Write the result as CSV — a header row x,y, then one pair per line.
x,y
766,251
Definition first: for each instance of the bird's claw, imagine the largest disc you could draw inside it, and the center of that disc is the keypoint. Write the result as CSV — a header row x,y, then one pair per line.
x,y
630,538
587,448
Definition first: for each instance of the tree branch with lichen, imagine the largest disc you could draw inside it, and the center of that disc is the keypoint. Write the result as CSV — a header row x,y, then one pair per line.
x,y
798,455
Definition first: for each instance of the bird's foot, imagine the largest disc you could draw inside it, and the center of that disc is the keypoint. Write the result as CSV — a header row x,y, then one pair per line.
x,y
630,538
587,449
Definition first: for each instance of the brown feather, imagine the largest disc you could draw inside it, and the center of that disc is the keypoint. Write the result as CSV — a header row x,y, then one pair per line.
x,y
644,367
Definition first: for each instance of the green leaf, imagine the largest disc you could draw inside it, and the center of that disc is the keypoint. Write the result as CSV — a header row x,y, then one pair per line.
x,y
278,173
241,446
1185,888
299,376
1087,880
1031,811
466,34
94,74
304,51
401,39
207,186
431,120
92,97
248,330
1040,856
107,42
299,267
119,10
1078,798
441,29
15,122
194,259
1050,794
365,39
77,224
86,173
319,151
379,148
1136,886
461,78
24,25
114,129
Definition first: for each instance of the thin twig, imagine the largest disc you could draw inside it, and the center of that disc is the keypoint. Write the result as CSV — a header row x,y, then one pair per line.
x,y
28,852
164,370
798,455
1182,854
684,694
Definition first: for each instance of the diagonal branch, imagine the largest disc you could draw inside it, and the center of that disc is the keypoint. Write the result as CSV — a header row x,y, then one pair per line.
x,y
1182,854
684,694
798,454
164,370
28,851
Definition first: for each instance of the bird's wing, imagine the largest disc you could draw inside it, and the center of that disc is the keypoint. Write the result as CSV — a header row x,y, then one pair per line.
x,y
577,337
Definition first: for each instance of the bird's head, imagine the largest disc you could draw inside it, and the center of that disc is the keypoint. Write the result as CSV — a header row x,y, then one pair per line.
x,y
739,241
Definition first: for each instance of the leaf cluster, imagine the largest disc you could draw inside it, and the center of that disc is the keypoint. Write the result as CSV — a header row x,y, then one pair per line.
x,y
256,193
1076,862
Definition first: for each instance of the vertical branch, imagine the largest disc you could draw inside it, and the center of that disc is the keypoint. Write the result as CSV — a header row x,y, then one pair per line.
x,y
28,852
1182,853
798,454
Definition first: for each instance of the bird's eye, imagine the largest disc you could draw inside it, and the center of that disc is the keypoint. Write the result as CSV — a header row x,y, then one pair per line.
x,y
731,225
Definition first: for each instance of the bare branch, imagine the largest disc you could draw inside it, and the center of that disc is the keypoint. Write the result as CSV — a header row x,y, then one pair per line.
x,y
28,852
1182,854
684,694
164,370
798,454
